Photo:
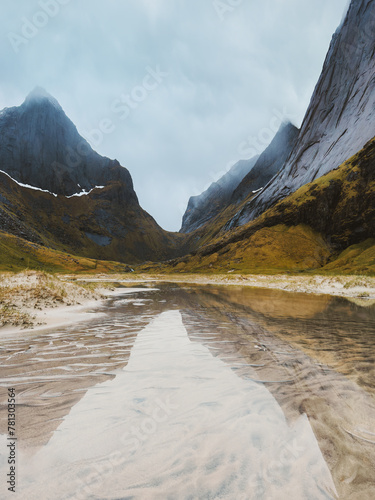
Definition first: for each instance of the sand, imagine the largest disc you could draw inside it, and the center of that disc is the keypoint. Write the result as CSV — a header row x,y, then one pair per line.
x,y
357,287
33,299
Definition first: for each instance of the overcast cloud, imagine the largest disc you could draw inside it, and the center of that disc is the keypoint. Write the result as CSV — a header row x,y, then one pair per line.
x,y
226,73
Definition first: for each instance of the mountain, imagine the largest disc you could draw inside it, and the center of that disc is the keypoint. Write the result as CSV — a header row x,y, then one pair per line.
x,y
208,204
57,192
269,163
326,225
339,120
40,146
242,181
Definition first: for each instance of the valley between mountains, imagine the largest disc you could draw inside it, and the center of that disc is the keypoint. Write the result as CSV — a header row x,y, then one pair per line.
x,y
233,359
305,204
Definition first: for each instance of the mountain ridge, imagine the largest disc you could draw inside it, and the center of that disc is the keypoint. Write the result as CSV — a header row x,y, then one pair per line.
x,y
88,208
338,121
40,146
240,182
205,206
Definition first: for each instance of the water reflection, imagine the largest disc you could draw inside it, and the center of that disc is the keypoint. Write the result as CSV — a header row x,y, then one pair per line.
x,y
240,373
177,419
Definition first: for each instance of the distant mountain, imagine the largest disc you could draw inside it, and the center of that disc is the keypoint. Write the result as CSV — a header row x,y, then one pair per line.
x,y
208,204
222,200
340,118
328,224
56,191
269,163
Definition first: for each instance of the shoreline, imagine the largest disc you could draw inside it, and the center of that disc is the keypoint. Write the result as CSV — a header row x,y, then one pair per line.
x,y
78,303
361,288
33,301
63,316
46,318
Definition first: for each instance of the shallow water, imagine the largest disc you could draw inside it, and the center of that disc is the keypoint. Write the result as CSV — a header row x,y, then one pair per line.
x,y
197,393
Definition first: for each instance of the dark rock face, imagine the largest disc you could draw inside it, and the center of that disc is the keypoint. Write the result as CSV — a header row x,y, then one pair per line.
x,y
340,206
269,162
242,180
207,205
41,147
340,118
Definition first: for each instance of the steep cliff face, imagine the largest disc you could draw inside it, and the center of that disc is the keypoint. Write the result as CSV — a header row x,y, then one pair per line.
x,y
242,181
40,146
340,117
208,204
327,224
269,162
88,208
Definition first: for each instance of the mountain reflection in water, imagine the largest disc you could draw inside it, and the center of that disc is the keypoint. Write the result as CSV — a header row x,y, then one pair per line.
x,y
198,392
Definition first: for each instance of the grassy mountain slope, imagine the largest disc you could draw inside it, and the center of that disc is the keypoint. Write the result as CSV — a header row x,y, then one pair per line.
x,y
102,225
328,224
17,254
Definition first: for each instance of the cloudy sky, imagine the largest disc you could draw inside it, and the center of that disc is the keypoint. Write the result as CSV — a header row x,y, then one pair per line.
x,y
176,90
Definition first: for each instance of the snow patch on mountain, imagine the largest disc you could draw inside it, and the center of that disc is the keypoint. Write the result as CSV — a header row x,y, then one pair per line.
x,y
29,186
84,192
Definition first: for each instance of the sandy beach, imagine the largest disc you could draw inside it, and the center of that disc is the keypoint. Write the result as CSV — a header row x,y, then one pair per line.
x,y
356,287
33,299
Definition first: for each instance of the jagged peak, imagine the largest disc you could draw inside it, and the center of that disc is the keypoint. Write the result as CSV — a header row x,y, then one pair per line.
x,y
40,95
286,124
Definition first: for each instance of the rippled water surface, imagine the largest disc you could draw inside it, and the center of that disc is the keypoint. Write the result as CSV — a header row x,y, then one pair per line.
x,y
196,393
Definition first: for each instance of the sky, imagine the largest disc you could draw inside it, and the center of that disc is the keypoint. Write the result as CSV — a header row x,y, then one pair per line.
x,y
176,90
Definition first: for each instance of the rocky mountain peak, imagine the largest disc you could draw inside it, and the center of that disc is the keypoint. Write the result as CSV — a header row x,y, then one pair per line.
x,y
204,207
340,117
40,96
268,165
40,146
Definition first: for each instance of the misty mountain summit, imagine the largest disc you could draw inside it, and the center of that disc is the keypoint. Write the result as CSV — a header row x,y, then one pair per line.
x,y
39,96
57,191
244,179
40,146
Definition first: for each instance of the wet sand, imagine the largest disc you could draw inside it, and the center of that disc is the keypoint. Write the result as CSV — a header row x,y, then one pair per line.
x,y
361,288
253,374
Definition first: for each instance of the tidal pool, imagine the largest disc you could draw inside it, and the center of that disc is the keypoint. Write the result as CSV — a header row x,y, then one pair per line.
x,y
196,392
